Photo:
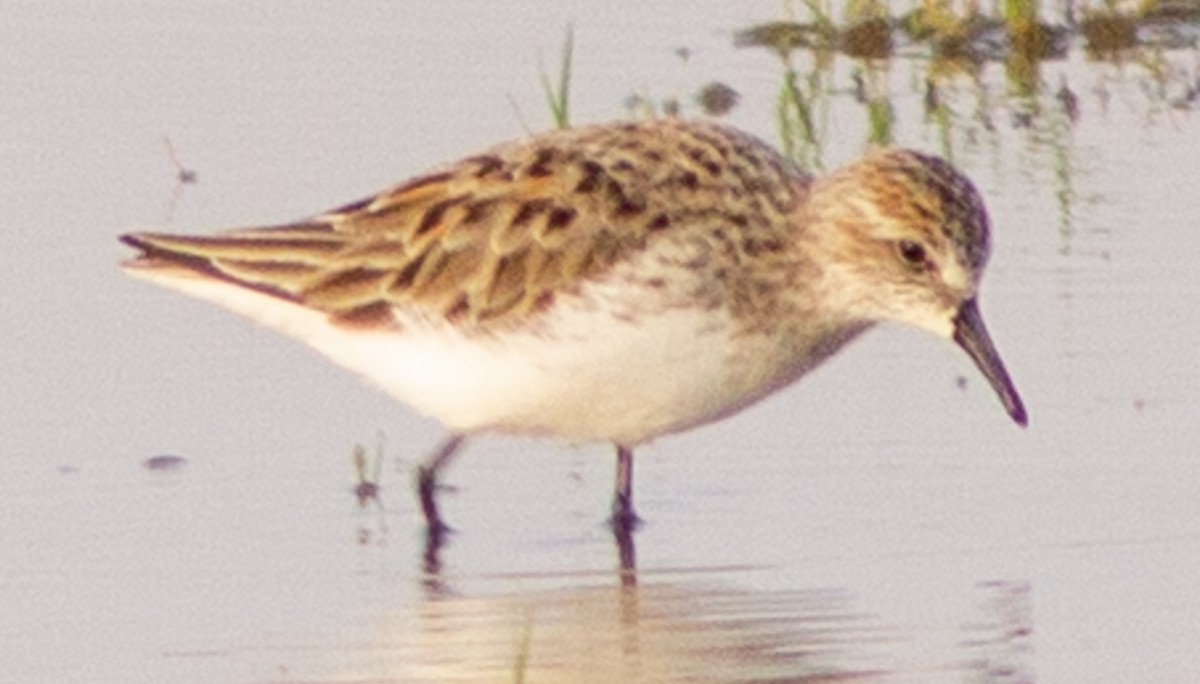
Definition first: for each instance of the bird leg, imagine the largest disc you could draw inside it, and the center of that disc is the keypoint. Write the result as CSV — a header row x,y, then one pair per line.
x,y
427,485
624,520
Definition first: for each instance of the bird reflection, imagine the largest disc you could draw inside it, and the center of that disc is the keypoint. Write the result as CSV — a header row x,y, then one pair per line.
x,y
436,538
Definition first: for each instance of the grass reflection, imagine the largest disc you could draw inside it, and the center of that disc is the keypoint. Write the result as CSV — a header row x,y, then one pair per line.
x,y
948,45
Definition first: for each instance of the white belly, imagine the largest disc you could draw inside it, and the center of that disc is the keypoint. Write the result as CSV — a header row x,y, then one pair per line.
x,y
581,374
597,379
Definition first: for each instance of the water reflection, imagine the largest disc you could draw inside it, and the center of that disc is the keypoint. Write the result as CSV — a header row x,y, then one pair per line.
x,y
947,49
999,642
436,539
673,631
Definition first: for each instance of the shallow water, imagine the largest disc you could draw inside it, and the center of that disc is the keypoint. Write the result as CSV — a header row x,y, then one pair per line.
x,y
881,521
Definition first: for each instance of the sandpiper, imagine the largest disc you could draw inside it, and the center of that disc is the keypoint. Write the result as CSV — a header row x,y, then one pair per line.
x,y
611,283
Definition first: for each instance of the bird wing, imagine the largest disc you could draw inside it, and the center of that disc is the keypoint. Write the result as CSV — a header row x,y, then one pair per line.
x,y
495,236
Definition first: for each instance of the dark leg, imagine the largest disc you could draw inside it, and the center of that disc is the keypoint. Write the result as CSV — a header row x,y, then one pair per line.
x,y
427,484
626,555
624,520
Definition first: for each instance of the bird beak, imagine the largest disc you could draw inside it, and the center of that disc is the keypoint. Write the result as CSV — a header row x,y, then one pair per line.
x,y
971,334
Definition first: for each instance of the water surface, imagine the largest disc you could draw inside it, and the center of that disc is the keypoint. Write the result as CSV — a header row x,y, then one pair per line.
x,y
881,521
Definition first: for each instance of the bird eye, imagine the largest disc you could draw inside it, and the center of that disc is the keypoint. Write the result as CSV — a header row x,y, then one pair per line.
x,y
912,252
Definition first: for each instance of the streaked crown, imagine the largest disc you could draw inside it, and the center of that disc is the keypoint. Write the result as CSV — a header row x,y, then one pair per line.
x,y
905,237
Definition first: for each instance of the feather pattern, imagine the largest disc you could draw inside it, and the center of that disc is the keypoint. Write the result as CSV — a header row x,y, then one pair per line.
x,y
497,237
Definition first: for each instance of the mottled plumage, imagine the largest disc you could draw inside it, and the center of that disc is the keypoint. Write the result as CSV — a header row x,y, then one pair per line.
x,y
613,283
495,237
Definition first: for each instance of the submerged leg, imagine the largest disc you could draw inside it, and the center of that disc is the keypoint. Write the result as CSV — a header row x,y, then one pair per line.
x,y
624,520
427,483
